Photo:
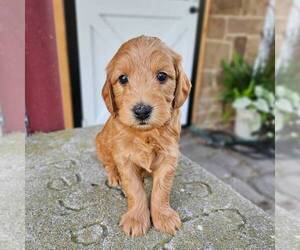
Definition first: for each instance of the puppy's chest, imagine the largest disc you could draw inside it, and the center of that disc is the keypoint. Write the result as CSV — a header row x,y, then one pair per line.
x,y
144,151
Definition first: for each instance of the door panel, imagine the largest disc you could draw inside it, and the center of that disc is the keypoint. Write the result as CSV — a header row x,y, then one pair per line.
x,y
43,92
104,25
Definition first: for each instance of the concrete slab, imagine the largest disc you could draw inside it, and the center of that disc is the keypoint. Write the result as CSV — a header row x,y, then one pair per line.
x,y
12,191
69,206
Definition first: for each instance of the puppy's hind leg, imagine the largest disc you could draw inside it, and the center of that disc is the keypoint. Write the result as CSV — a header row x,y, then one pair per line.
x,y
105,157
113,176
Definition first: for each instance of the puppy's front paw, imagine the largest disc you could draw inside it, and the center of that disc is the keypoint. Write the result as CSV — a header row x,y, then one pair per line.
x,y
135,223
166,220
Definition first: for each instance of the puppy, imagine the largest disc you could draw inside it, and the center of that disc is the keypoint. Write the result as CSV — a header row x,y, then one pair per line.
x,y
144,89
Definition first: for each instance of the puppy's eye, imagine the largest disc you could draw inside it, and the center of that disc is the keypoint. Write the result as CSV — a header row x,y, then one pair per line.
x,y
161,76
123,79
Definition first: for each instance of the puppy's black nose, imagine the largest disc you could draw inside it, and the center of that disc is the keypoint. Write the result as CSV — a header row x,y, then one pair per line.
x,y
142,111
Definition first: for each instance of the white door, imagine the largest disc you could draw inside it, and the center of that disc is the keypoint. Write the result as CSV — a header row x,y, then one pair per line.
x,y
103,25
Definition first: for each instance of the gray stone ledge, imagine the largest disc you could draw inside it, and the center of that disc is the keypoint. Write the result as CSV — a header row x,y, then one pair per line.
x,y
69,205
12,193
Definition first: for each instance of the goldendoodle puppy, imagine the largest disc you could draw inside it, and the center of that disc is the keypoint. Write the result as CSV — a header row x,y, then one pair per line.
x,y
144,89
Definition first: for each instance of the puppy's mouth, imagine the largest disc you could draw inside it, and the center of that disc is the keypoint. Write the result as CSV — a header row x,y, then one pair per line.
x,y
142,123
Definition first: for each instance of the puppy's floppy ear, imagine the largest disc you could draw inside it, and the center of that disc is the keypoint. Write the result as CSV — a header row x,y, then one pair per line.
x,y
183,85
108,97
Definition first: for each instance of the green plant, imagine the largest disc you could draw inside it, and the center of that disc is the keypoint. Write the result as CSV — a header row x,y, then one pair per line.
x,y
250,89
287,108
263,104
287,112
239,78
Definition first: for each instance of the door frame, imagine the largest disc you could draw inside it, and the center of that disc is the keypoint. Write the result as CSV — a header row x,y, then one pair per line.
x,y
73,54
198,52
63,62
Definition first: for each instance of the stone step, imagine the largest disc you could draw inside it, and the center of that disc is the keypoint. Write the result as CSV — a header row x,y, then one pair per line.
x,y
68,204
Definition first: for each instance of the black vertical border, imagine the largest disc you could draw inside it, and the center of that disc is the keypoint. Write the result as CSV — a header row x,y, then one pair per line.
x,y
195,72
72,44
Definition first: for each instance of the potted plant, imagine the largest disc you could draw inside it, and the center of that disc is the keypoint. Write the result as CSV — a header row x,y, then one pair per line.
x,y
287,111
253,114
251,98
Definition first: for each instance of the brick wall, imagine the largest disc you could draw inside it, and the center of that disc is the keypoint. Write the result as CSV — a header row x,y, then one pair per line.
x,y
234,25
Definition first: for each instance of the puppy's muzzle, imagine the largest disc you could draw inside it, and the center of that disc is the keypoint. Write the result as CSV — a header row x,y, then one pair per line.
x,y
142,111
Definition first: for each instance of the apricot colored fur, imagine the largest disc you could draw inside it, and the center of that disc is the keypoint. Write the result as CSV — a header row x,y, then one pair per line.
x,y
129,150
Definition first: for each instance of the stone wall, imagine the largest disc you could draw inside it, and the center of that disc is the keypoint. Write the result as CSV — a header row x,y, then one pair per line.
x,y
234,25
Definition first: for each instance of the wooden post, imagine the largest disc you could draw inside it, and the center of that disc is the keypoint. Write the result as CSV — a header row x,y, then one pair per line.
x,y
62,54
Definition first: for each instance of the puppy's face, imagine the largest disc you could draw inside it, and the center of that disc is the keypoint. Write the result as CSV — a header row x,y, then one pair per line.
x,y
145,82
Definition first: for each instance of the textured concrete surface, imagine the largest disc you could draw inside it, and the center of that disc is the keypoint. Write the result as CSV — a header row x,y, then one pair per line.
x,y
12,192
287,230
69,205
253,178
288,184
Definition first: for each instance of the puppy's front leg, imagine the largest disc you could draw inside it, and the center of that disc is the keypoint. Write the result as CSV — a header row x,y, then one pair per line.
x,y
136,221
164,218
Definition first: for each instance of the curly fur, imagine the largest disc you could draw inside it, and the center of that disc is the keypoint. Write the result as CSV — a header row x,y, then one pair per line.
x,y
129,150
